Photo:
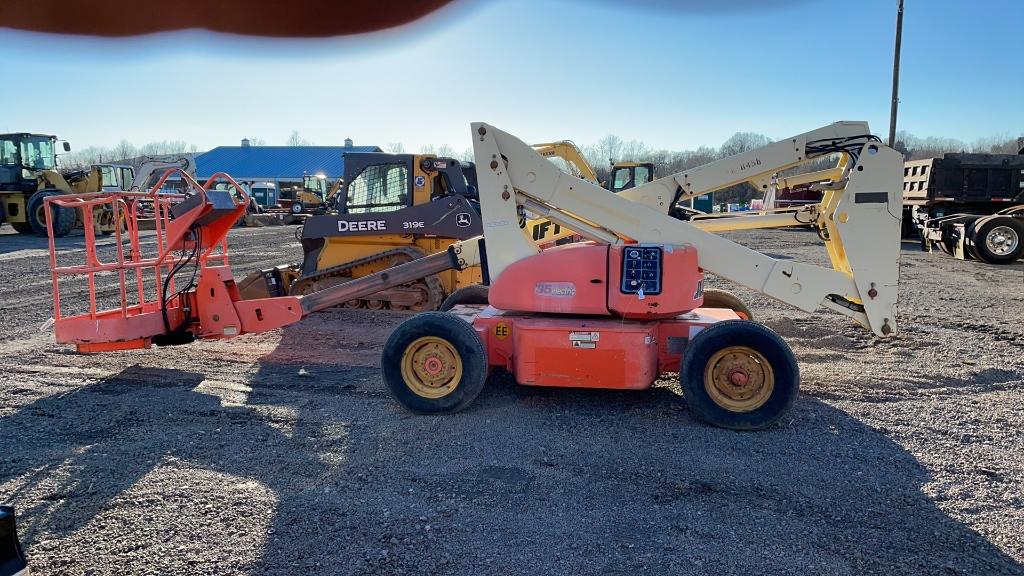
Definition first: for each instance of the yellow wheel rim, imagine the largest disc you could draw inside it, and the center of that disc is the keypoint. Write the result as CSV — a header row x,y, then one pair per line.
x,y
739,379
431,367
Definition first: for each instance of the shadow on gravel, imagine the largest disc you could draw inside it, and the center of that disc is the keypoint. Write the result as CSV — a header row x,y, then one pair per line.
x,y
15,242
527,481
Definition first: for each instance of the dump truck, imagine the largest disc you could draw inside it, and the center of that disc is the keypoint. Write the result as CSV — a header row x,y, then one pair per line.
x,y
971,206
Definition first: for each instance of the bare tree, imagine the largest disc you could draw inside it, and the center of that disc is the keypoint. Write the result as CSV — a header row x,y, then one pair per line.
x,y
444,150
395,148
84,157
606,150
633,151
257,141
742,142
296,140
123,151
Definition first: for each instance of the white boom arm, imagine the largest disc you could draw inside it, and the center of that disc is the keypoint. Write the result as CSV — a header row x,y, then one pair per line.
x,y
754,166
863,230
151,165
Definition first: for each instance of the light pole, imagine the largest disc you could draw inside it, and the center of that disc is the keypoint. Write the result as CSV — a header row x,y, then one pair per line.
x,y
896,76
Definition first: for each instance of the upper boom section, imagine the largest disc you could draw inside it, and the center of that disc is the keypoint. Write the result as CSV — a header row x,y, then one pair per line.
x,y
862,236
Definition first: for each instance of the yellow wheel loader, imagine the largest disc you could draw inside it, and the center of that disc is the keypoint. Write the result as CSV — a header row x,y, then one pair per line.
x,y
28,175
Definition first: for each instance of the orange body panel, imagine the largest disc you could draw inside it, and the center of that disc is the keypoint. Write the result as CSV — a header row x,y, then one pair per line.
x,y
579,352
602,353
601,280
563,280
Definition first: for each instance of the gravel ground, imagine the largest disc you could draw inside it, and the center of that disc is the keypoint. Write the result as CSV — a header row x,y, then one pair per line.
x,y
282,453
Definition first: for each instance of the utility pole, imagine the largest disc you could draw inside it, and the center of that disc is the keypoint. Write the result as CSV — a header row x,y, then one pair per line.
x,y
896,76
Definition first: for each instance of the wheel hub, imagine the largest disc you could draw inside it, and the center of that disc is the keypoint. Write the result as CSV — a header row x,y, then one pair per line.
x,y
739,379
1002,240
431,367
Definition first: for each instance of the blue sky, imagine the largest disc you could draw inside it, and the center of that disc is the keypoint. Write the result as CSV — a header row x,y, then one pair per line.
x,y
672,74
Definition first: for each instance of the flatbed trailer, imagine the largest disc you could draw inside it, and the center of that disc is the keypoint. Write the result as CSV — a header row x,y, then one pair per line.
x,y
969,205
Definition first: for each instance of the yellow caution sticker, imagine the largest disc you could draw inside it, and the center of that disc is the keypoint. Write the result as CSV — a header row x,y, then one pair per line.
x,y
501,330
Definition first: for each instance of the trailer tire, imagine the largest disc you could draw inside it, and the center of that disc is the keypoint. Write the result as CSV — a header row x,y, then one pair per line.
x,y
998,239
715,298
740,375
434,363
63,219
472,294
297,207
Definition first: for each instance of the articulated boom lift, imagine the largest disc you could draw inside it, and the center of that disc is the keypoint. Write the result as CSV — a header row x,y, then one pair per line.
x,y
614,312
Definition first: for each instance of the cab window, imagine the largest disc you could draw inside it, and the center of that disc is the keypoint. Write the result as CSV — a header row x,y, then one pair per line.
x,y
380,188
642,175
8,153
126,176
109,177
622,179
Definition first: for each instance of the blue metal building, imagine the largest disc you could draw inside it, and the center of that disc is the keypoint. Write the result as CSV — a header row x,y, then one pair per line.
x,y
282,165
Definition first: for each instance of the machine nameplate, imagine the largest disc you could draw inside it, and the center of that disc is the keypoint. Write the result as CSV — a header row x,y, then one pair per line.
x,y
556,289
362,225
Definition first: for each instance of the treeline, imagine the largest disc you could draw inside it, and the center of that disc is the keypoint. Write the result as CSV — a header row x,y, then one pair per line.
x,y
600,154
916,148
123,151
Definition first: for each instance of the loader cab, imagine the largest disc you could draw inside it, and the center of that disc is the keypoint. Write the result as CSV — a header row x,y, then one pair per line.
x,y
22,155
381,182
626,175
115,177
315,184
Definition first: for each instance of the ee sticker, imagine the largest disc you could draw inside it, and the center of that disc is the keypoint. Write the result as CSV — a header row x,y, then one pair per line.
x,y
501,330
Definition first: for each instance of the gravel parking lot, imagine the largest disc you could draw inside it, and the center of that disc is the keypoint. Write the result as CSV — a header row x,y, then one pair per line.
x,y
282,453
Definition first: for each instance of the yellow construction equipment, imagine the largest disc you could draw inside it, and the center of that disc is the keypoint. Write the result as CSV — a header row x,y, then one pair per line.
x,y
29,175
622,175
389,209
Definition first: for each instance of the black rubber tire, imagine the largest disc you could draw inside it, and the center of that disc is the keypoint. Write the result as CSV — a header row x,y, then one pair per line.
x,y
715,298
63,219
984,227
297,207
707,342
970,253
457,332
472,294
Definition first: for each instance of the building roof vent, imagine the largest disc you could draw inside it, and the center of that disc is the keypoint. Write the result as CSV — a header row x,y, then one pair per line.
x,y
348,142
245,142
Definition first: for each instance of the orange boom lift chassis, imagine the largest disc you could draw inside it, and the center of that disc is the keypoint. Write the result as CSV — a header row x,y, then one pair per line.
x,y
616,311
